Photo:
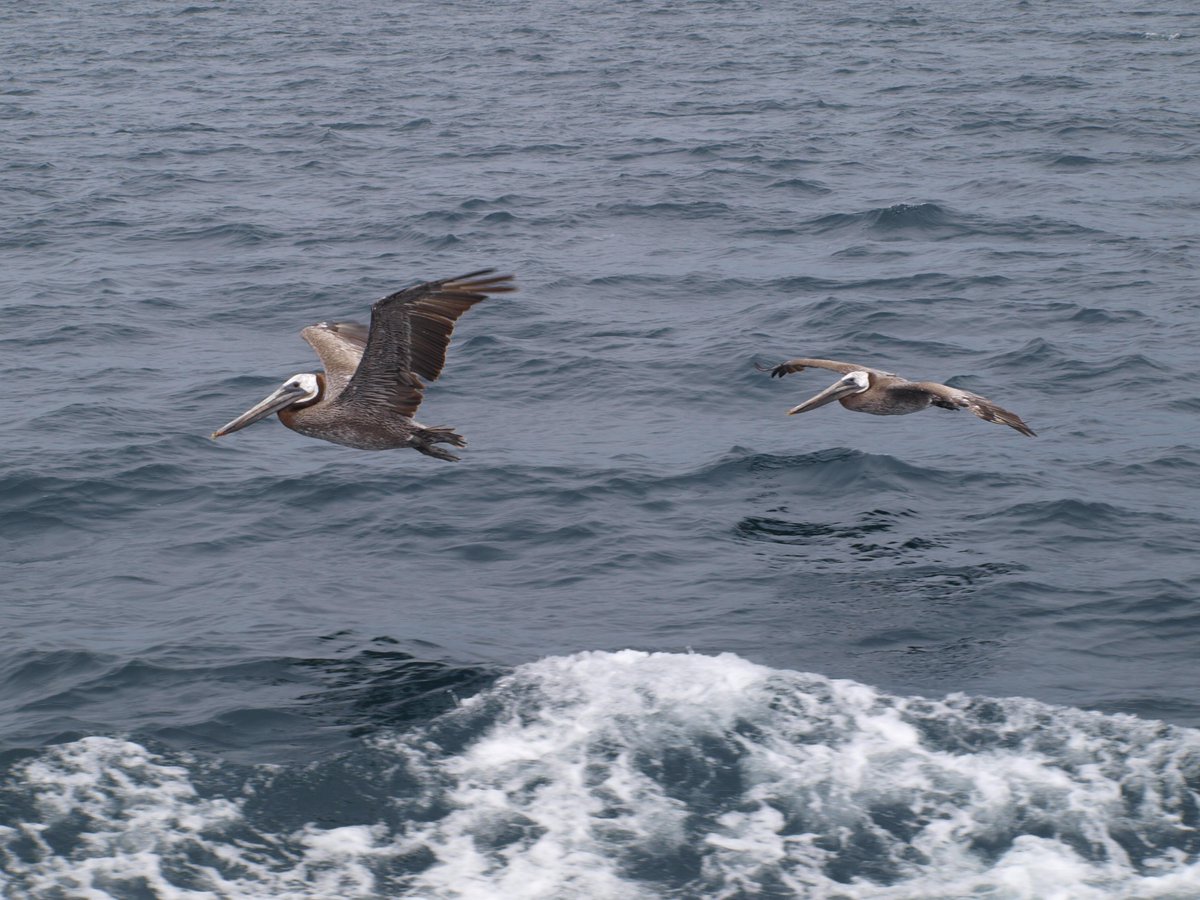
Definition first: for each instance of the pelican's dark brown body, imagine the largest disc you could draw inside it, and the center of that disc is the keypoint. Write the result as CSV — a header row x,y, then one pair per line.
x,y
365,429
372,383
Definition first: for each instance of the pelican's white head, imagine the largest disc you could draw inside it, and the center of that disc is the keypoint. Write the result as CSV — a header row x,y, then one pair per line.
x,y
860,379
851,383
307,382
299,389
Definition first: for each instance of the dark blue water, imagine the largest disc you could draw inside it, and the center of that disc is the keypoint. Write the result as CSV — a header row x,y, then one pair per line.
x,y
651,637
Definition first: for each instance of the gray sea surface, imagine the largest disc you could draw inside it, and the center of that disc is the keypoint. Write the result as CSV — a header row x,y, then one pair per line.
x,y
651,637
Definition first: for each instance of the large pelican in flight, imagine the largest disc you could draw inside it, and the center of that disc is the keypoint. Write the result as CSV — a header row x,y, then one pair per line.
x,y
371,386
867,390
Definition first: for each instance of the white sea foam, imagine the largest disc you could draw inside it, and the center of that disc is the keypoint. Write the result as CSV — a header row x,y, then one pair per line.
x,y
142,830
801,785
132,811
629,775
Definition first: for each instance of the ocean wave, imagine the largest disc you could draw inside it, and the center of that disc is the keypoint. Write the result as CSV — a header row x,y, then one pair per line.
x,y
800,186
928,217
1179,463
1064,372
833,472
905,221
194,697
1071,521
664,209
231,234
1073,162
633,774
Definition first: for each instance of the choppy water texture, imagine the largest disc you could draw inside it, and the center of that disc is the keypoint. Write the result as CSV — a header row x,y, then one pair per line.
x,y
651,638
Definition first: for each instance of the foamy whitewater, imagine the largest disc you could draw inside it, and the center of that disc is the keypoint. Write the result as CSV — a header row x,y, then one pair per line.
x,y
636,774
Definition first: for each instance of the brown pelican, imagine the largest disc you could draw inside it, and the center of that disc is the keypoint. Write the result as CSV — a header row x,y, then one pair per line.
x,y
885,394
371,386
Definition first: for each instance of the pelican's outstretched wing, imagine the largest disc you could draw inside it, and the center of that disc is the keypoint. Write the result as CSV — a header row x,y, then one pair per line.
x,y
410,331
340,346
956,398
799,365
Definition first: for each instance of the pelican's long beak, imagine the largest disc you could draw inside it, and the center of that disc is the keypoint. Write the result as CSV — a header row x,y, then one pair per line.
x,y
285,396
841,388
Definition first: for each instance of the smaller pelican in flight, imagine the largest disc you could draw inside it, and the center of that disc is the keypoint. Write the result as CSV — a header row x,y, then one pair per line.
x,y
862,389
371,386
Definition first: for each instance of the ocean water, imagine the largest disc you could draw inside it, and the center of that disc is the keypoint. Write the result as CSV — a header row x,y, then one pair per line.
x,y
650,638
